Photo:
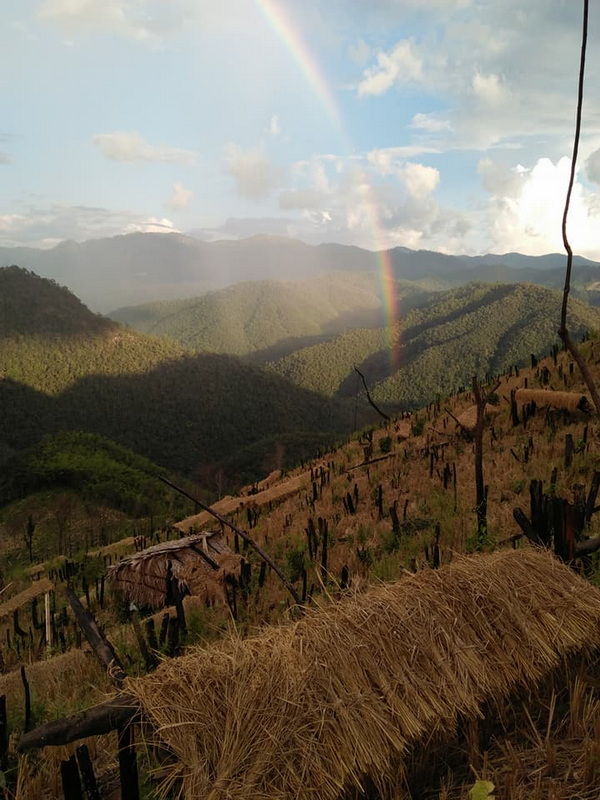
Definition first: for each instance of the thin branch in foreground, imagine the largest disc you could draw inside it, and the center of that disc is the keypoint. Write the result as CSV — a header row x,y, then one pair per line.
x,y
369,398
569,344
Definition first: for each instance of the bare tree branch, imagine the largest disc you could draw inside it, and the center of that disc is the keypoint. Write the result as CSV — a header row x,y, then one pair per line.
x,y
563,332
369,398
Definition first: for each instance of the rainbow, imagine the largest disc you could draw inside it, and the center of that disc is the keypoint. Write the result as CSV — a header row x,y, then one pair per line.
x,y
289,34
283,25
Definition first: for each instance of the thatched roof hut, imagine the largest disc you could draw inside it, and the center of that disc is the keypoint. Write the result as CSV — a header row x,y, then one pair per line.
x,y
142,578
568,401
353,689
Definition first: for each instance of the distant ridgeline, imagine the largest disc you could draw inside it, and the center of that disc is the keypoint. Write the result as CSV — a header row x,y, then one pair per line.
x,y
142,267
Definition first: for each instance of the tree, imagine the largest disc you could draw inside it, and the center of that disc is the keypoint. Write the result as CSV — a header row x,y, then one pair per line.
x,y
481,400
28,537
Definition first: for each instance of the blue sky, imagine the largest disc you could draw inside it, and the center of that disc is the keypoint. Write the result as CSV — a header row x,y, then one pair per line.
x,y
440,124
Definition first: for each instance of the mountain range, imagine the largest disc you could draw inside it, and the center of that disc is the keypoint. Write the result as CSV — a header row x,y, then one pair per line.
x,y
142,267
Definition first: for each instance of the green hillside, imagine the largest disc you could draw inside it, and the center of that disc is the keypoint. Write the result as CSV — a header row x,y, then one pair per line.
x,y
98,470
256,315
149,394
477,329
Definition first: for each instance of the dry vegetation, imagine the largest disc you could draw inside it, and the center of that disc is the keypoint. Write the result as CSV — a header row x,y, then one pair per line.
x,y
395,505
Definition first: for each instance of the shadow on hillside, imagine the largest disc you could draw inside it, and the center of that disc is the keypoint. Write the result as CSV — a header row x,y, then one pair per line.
x,y
378,366
182,413
358,318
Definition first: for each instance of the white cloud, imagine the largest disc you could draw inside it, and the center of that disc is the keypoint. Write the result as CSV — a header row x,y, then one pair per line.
x,y
430,123
401,65
389,160
45,226
180,197
274,126
151,225
525,208
129,147
592,166
489,89
254,175
148,22
419,179
5,158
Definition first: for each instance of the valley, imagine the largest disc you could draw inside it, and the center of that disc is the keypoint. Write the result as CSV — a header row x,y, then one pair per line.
x,y
247,399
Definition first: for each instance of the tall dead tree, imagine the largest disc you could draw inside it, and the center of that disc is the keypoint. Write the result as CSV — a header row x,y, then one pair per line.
x,y
563,331
481,400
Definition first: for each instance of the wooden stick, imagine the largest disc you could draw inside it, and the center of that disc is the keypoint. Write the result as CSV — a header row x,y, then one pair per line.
x,y
98,641
369,398
94,721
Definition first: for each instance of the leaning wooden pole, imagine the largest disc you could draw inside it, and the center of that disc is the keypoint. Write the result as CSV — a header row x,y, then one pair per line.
x,y
265,556
100,645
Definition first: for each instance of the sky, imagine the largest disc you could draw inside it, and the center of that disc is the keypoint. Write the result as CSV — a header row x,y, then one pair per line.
x,y
430,124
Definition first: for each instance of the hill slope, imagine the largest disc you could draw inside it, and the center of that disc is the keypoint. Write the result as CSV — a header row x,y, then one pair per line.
x,y
474,330
256,315
149,394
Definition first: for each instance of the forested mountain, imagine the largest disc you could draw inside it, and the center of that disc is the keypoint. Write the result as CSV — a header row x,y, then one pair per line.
x,y
179,409
256,315
141,267
473,330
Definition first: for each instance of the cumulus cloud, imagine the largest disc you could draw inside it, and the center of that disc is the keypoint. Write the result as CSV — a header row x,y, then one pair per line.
x,y
489,89
501,86
525,208
180,197
592,166
419,179
254,175
401,65
130,147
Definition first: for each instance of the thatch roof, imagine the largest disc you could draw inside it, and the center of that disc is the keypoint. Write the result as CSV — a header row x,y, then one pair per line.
x,y
569,401
306,710
142,578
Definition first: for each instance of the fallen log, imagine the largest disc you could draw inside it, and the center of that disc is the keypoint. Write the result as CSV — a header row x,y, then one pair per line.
x,y
94,721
